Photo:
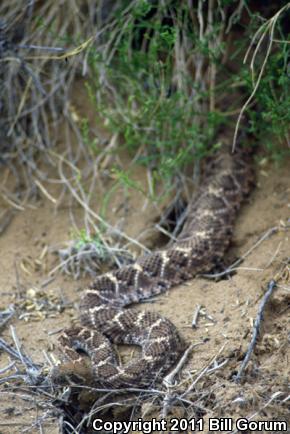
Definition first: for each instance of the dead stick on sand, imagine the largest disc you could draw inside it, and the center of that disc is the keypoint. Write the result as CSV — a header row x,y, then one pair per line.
x,y
257,324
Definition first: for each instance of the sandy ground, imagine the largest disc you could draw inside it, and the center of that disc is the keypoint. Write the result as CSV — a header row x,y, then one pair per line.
x,y
230,305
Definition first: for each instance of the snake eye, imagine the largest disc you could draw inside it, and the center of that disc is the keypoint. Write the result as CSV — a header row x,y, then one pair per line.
x,y
80,348
81,351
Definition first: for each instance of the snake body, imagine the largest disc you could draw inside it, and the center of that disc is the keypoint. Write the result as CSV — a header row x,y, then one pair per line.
x,y
105,320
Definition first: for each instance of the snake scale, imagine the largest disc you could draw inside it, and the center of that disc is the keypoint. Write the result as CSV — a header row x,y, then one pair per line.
x,y
88,353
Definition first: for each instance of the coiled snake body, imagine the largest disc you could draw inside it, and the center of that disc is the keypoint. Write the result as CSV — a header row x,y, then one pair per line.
x,y
105,321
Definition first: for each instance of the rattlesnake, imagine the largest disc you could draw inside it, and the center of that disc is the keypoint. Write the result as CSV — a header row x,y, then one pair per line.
x,y
202,242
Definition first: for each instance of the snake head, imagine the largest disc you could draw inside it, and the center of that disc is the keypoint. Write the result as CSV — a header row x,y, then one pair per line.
x,y
72,372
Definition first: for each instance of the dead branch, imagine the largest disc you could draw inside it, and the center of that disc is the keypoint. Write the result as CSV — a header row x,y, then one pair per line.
x,y
256,329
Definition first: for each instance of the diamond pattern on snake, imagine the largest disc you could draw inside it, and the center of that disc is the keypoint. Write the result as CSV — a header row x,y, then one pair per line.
x,y
106,319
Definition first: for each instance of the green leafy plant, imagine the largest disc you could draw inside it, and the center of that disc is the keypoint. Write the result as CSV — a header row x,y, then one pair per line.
x,y
270,121
147,87
267,82
144,96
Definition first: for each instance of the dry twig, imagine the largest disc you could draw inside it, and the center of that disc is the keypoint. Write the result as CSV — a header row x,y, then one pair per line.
x,y
256,329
